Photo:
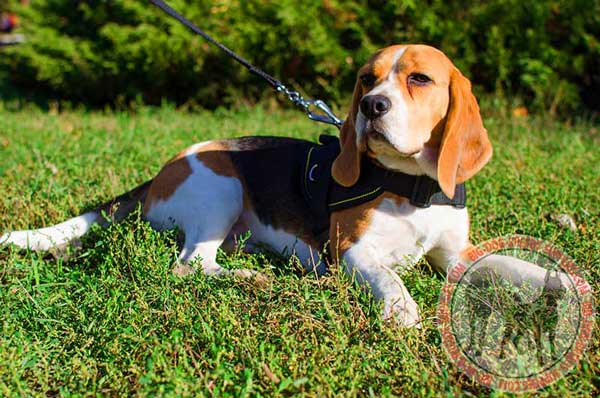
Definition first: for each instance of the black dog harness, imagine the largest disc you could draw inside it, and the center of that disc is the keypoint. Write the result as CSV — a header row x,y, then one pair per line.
x,y
324,196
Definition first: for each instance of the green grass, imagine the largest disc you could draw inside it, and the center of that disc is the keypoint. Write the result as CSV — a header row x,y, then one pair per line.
x,y
111,320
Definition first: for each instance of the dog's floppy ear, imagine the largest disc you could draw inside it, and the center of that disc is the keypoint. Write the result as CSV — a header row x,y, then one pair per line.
x,y
465,147
346,167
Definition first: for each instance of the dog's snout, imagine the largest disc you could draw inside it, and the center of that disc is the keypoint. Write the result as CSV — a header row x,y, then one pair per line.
x,y
374,106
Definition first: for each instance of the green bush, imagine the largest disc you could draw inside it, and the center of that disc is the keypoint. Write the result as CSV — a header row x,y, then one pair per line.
x,y
97,52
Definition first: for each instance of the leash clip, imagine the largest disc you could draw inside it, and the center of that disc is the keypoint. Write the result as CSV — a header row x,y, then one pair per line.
x,y
327,115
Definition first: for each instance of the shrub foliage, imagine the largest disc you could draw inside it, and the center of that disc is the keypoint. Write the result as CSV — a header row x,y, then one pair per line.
x,y
545,51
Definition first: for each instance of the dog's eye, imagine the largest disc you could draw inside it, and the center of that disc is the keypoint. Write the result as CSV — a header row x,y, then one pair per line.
x,y
368,79
419,79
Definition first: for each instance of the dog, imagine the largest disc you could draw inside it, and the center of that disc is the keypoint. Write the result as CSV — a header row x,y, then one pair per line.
x,y
413,113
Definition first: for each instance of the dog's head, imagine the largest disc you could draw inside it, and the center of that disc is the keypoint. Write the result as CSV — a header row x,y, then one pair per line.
x,y
413,111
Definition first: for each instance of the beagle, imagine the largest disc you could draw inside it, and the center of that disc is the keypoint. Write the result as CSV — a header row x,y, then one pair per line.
x,y
412,112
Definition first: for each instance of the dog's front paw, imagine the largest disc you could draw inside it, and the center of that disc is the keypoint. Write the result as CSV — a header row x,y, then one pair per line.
x,y
405,313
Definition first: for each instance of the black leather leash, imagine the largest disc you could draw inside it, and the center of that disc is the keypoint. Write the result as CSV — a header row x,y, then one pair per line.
x,y
327,115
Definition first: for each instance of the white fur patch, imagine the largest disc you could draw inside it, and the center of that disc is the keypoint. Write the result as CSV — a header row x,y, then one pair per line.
x,y
284,243
202,199
400,234
47,238
397,237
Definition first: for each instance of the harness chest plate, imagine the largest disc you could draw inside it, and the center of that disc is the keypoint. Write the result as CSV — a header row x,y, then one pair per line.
x,y
324,196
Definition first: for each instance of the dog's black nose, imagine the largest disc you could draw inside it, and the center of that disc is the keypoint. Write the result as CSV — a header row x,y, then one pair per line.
x,y
374,106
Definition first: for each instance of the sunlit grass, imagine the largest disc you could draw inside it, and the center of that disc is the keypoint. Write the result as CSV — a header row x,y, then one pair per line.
x,y
112,320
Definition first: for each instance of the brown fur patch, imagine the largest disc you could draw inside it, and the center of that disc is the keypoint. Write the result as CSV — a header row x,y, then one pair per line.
x,y
173,174
216,156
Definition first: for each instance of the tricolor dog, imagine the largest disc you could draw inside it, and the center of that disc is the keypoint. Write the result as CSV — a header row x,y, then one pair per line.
x,y
413,118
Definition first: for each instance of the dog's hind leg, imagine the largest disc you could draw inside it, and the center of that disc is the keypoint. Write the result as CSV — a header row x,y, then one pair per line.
x,y
200,250
205,216
201,247
204,204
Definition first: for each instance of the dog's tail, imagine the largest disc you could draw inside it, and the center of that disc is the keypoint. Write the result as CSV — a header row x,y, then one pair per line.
x,y
62,234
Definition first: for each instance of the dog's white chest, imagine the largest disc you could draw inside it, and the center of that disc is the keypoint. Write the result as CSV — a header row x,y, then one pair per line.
x,y
399,234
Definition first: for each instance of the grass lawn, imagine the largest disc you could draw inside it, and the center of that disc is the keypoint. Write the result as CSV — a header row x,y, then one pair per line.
x,y
111,320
